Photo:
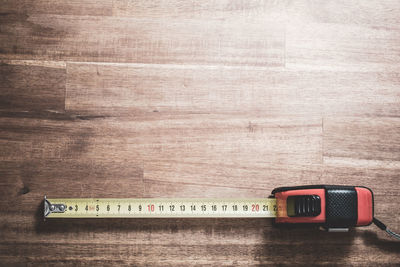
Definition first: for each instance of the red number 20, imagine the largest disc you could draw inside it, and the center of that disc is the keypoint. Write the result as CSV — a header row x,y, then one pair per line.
x,y
255,207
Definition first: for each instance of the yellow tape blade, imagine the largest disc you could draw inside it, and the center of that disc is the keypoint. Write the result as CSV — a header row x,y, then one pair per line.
x,y
159,208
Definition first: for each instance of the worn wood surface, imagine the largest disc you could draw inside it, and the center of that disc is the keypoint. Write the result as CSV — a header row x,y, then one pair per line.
x,y
207,98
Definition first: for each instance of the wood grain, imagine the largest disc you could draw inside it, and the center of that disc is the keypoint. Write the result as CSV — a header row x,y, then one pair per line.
x,y
94,88
32,88
206,98
343,35
366,139
144,40
199,9
193,149
72,7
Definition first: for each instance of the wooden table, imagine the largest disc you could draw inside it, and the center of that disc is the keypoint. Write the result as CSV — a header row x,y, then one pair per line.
x,y
123,98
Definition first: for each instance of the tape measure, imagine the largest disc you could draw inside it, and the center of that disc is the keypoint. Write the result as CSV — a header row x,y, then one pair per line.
x,y
333,207
159,208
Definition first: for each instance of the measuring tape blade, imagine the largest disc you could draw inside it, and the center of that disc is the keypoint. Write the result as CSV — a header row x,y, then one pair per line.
x,y
159,208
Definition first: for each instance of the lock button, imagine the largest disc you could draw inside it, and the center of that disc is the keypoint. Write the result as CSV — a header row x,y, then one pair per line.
x,y
303,206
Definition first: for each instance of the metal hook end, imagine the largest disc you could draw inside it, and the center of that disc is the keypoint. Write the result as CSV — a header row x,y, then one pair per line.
x,y
52,208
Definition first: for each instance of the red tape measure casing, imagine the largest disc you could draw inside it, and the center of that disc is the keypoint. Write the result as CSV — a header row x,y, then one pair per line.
x,y
331,206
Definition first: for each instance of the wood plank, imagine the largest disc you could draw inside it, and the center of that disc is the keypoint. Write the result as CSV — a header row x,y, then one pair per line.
x,y
28,87
208,150
72,7
251,41
100,88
